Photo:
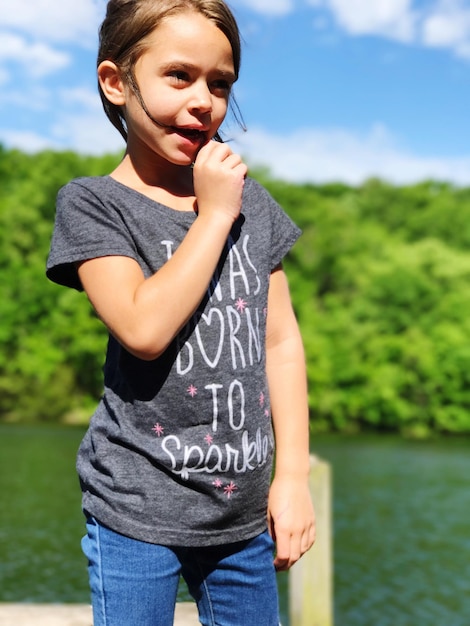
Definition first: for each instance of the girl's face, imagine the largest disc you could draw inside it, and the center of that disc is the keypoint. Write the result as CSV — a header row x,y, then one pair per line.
x,y
185,77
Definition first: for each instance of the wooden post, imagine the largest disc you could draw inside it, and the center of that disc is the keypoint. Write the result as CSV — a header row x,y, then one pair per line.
x,y
311,579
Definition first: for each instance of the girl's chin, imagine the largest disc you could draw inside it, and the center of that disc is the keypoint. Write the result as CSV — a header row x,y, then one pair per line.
x,y
186,157
184,161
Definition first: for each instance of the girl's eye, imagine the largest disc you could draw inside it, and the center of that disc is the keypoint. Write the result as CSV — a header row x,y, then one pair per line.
x,y
222,85
180,76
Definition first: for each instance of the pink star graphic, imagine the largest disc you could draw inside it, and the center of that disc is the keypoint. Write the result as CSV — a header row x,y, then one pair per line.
x,y
209,439
229,489
217,483
192,390
261,399
266,413
241,305
158,430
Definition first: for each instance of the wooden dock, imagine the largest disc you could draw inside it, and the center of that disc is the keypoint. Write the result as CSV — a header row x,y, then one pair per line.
x,y
74,615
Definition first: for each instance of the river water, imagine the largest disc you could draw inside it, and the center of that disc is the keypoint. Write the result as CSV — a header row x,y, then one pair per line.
x,y
401,531
401,526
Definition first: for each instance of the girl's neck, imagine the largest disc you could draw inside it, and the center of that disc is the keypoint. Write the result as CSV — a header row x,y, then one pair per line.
x,y
171,185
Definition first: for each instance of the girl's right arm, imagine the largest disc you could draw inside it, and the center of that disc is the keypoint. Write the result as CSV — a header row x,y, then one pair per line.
x,y
146,314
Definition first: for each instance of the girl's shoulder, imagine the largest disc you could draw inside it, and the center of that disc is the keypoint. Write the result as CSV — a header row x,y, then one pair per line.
x,y
254,193
93,184
98,191
254,187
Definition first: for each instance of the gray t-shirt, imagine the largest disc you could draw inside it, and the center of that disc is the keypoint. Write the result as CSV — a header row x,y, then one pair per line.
x,y
179,450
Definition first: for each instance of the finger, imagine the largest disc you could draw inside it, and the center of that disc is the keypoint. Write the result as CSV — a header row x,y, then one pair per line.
x,y
308,539
213,149
281,565
232,160
289,553
295,550
271,531
312,535
220,151
283,551
237,166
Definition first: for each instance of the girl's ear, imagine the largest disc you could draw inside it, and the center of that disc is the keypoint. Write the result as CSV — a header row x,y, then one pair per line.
x,y
111,83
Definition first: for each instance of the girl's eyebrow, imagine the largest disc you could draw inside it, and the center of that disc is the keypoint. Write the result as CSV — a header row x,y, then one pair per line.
x,y
190,67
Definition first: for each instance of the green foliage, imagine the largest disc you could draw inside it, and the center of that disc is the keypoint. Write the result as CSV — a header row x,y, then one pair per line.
x,y
380,281
381,285
51,345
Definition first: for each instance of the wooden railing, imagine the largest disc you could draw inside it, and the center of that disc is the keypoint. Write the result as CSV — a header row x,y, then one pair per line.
x,y
311,579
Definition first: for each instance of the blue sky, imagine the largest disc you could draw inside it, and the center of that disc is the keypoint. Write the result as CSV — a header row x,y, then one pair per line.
x,y
330,89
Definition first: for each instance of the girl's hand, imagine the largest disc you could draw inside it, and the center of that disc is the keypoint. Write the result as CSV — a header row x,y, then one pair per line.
x,y
219,178
291,520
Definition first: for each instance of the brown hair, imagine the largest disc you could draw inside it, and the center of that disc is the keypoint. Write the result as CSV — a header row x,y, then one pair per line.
x,y
127,25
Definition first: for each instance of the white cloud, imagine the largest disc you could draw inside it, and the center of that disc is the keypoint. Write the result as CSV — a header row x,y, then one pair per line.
x,y
84,97
38,59
308,155
87,130
448,26
36,98
322,155
71,21
390,18
80,125
435,23
31,31
27,141
89,133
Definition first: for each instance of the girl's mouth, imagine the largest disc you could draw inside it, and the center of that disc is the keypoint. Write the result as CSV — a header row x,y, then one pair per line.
x,y
194,134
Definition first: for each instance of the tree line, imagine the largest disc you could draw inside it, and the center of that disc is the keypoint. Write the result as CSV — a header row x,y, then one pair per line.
x,y
380,282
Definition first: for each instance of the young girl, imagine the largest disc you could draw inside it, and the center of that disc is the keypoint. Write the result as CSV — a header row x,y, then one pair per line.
x,y
180,255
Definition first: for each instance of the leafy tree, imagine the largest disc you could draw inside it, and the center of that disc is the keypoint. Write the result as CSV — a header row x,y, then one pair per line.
x,y
380,282
51,343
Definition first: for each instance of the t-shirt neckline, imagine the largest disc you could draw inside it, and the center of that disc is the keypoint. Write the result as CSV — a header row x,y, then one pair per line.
x,y
153,202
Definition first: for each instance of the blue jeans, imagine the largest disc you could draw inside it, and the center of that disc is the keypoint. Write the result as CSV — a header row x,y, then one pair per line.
x,y
135,583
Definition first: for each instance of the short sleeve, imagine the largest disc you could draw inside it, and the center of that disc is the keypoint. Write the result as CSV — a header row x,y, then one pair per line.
x,y
274,221
284,234
87,225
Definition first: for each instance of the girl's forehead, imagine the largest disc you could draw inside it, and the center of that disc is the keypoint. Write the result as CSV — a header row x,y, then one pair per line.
x,y
186,25
190,34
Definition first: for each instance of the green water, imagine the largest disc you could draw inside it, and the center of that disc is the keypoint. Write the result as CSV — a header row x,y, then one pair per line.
x,y
40,518
401,531
401,526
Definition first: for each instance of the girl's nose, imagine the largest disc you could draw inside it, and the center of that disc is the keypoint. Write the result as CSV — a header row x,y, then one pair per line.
x,y
201,99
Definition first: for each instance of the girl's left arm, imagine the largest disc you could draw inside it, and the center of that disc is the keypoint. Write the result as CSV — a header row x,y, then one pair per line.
x,y
291,516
